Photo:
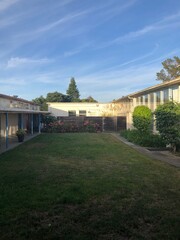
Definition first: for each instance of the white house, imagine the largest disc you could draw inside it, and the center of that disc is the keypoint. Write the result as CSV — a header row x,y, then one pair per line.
x,y
59,109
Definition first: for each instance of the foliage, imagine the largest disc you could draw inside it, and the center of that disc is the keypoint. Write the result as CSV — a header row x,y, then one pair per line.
x,y
142,118
145,140
86,186
62,127
73,91
171,69
89,99
57,97
168,122
48,119
20,132
41,101
72,96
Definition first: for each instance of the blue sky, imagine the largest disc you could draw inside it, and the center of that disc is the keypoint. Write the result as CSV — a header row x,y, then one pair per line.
x,y
111,47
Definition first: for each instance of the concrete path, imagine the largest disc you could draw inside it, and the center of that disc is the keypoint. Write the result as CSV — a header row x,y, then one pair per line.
x,y
14,142
164,156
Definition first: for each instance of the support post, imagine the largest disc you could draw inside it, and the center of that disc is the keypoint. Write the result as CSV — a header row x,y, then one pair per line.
x,y
39,122
22,122
7,130
32,125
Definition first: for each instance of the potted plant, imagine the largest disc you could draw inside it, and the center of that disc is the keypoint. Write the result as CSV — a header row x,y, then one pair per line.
x,y
20,134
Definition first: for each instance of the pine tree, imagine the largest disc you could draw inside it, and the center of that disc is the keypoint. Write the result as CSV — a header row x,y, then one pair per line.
x,y
73,91
171,69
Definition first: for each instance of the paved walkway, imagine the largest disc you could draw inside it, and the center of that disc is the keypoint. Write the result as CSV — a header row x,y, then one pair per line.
x,y
164,156
14,142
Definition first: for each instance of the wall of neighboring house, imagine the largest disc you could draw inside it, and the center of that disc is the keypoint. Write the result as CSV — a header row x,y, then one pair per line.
x,y
152,99
84,109
15,105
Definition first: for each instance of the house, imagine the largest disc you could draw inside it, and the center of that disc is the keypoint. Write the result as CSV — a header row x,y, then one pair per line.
x,y
123,107
16,113
72,109
150,97
108,115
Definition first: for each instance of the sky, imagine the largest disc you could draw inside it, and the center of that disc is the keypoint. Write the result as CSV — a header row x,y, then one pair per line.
x,y
111,47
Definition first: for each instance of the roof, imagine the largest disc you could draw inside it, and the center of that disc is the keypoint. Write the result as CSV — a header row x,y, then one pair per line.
x,y
16,99
18,110
152,89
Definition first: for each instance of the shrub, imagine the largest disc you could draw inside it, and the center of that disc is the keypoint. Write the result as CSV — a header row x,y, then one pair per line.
x,y
145,140
61,127
142,118
168,123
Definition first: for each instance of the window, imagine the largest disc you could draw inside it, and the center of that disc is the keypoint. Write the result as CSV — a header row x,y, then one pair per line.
x,y
146,99
158,98
141,99
175,93
137,100
151,101
82,112
72,113
166,95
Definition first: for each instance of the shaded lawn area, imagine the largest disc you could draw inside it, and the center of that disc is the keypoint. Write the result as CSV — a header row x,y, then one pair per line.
x,y
86,186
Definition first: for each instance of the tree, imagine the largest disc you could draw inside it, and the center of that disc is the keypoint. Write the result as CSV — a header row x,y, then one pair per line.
x,y
171,69
41,101
142,118
73,91
57,97
89,99
168,123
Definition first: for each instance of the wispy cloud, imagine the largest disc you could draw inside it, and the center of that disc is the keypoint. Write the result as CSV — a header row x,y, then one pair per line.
x,y
13,81
5,4
110,9
18,62
167,22
60,21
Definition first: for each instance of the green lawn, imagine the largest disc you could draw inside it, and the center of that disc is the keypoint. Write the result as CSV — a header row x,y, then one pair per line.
x,y
86,186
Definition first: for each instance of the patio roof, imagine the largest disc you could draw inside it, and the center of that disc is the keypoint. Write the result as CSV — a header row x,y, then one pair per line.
x,y
18,110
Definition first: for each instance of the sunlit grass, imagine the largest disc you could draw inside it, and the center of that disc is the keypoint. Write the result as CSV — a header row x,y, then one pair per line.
x,y
86,186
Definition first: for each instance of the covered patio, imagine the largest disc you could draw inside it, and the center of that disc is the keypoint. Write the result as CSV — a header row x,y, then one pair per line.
x,y
13,119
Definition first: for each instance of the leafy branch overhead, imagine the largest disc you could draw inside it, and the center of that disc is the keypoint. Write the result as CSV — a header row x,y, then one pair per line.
x,y
171,69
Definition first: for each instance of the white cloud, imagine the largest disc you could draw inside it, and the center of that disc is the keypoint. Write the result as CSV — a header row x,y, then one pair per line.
x,y
18,62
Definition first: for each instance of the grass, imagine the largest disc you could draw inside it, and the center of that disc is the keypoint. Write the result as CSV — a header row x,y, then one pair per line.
x,y
86,186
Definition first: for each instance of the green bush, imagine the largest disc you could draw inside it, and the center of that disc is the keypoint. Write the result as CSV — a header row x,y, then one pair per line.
x,y
142,118
168,123
145,140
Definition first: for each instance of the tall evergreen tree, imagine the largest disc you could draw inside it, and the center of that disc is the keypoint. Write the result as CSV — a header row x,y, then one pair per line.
x,y
73,91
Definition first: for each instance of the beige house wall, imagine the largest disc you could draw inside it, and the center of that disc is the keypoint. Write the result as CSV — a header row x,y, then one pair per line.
x,y
90,109
13,107
16,103
149,97
12,122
